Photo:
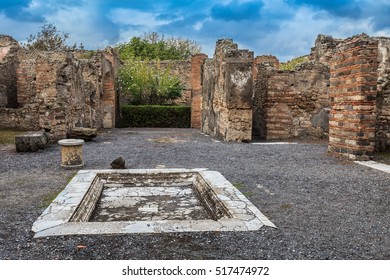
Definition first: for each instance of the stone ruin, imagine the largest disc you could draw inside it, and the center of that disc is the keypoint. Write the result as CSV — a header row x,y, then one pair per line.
x,y
340,92
56,91
227,93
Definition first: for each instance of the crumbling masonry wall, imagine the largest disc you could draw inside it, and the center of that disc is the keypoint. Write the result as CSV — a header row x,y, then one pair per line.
x,y
56,91
353,93
227,93
382,136
289,104
8,65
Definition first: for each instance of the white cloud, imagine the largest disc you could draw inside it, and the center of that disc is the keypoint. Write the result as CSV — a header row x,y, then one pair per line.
x,y
19,30
134,17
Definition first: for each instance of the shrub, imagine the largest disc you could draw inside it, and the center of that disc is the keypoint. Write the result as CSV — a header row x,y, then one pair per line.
x,y
145,84
153,46
156,116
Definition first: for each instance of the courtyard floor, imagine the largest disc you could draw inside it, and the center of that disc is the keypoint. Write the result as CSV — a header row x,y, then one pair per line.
x,y
323,207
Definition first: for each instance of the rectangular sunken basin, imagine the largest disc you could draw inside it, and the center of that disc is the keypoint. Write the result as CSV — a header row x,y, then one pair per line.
x,y
148,201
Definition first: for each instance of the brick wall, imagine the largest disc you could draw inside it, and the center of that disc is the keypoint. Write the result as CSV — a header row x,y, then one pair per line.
x,y
297,102
353,93
56,91
196,89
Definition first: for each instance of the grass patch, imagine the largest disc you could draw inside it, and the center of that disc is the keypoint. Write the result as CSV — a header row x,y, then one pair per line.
x,y
241,186
48,199
70,177
293,63
238,185
383,157
7,135
87,54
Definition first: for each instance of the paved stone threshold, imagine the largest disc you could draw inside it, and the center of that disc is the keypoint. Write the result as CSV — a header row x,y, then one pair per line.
x,y
71,211
375,165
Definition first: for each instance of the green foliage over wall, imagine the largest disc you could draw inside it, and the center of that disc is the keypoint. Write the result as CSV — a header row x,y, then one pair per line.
x,y
153,46
293,63
145,84
156,116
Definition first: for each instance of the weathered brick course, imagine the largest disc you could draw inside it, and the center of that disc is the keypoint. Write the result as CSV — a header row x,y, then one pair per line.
x,y
353,90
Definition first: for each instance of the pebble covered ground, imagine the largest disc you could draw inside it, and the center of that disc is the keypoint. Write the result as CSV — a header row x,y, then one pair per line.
x,y
324,207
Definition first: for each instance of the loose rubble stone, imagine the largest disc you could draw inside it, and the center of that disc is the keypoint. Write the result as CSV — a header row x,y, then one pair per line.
x,y
31,141
118,163
83,133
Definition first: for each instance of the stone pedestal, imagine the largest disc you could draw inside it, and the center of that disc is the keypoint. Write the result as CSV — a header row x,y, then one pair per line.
x,y
71,153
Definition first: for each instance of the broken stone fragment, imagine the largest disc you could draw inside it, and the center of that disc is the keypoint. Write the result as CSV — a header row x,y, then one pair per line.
x,y
83,133
31,141
118,163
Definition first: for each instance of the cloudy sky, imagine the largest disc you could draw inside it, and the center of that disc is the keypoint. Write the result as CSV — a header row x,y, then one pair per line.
x,y
284,28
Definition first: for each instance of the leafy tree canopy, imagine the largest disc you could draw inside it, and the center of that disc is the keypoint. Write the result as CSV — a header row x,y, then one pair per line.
x,y
153,46
49,39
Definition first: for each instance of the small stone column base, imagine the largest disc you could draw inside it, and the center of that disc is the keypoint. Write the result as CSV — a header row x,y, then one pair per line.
x,y
71,153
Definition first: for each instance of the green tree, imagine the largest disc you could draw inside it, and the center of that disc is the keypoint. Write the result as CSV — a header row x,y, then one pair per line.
x,y
145,84
153,46
49,39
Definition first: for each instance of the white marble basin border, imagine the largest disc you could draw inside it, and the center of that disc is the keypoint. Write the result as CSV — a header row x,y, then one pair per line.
x,y
57,218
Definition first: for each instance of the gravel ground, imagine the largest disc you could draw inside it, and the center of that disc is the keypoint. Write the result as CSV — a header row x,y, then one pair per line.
x,y
324,207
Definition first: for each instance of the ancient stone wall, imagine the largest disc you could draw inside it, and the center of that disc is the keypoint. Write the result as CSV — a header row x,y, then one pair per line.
x,y
297,102
56,91
324,48
227,111
8,65
268,61
353,93
383,98
290,104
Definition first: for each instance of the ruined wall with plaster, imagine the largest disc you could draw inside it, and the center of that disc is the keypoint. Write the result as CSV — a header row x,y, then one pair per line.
x,y
353,93
8,65
56,91
227,93
383,98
